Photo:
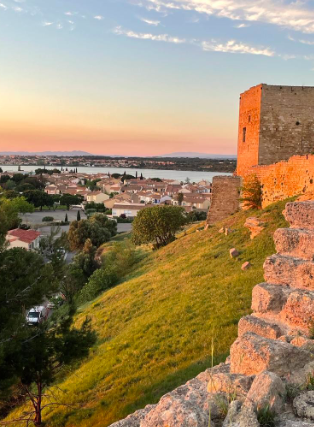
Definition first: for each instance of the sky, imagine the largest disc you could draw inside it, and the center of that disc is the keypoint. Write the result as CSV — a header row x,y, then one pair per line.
x,y
143,77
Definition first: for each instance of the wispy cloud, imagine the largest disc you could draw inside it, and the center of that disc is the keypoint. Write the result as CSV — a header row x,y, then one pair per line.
x,y
307,42
230,46
242,26
295,15
47,24
17,9
147,36
233,46
99,17
3,6
150,22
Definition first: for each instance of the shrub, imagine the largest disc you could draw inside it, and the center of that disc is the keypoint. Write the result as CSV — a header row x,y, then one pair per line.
x,y
252,193
47,219
99,281
266,417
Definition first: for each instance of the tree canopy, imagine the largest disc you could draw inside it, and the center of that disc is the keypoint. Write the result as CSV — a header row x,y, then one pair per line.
x,y
157,225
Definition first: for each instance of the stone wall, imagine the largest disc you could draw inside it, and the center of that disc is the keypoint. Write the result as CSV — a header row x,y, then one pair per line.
x,y
278,122
287,123
271,361
249,119
286,179
225,198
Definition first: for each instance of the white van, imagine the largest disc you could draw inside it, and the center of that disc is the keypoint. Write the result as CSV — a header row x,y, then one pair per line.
x,y
36,315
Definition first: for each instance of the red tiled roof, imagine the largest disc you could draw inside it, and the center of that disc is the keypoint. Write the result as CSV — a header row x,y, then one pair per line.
x,y
27,236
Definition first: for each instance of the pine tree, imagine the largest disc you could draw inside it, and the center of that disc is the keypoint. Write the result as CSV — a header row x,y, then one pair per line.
x,y
66,218
78,216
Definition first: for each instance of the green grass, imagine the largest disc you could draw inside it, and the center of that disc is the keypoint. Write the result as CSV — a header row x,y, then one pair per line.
x,y
155,330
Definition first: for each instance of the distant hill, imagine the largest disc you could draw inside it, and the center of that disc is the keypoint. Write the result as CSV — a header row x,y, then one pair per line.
x,y
45,153
200,155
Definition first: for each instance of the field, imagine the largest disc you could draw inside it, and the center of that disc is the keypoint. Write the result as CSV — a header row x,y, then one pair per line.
x,y
156,329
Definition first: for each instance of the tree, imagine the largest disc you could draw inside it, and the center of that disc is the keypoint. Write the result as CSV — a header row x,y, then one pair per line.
x,y
11,209
141,177
252,194
39,357
180,198
1,171
52,248
69,199
98,228
66,218
157,225
78,216
38,198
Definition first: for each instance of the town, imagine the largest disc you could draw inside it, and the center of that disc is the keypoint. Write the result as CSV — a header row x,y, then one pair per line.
x,y
223,164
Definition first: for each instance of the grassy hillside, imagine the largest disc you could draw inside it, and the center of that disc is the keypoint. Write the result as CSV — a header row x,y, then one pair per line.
x,y
156,329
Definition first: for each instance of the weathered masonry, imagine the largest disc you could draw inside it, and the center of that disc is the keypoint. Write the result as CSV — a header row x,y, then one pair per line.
x,y
225,200
275,123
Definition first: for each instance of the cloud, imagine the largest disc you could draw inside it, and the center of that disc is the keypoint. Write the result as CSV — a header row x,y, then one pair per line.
x,y
307,42
150,22
3,6
233,46
47,24
147,36
230,46
17,9
294,15
99,17
242,26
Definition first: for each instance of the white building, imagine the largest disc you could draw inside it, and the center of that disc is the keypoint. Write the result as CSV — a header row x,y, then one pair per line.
x,y
130,210
27,239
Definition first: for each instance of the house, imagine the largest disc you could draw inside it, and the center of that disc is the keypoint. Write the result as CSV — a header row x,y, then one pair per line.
x,y
130,210
52,189
97,197
27,239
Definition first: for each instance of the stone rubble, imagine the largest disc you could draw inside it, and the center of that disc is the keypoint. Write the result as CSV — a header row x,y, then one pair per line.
x,y
274,349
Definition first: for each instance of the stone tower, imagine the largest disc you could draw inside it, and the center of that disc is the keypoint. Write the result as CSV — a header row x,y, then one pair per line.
x,y
275,123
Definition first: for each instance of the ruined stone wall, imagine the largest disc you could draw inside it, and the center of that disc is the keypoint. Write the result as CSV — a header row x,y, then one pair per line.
x,y
249,119
225,198
286,123
275,123
286,179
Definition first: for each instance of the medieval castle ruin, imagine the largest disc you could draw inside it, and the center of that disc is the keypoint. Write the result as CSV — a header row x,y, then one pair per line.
x,y
275,143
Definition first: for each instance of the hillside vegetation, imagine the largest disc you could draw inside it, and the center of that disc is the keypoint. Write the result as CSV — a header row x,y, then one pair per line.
x,y
159,327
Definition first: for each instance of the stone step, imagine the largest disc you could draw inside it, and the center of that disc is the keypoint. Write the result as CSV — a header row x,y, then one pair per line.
x,y
259,326
298,311
295,242
267,297
252,354
300,214
285,270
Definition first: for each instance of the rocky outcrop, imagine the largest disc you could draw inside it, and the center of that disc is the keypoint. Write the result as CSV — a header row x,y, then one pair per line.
x,y
255,225
274,350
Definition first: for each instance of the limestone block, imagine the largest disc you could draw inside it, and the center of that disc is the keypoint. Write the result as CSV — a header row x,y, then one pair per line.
x,y
267,297
234,253
281,270
241,416
299,309
267,389
259,327
297,243
134,419
304,405
231,384
246,266
252,354
300,214
255,225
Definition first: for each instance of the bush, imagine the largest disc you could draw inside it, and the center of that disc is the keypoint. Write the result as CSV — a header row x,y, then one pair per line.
x,y
252,194
47,219
99,281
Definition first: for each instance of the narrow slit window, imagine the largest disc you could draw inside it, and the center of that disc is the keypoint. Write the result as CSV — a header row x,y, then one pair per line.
x,y
244,135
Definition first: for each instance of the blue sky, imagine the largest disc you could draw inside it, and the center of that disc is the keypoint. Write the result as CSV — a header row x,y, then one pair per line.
x,y
143,77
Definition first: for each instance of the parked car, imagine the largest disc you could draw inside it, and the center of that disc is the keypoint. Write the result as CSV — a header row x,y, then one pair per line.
x,y
36,315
